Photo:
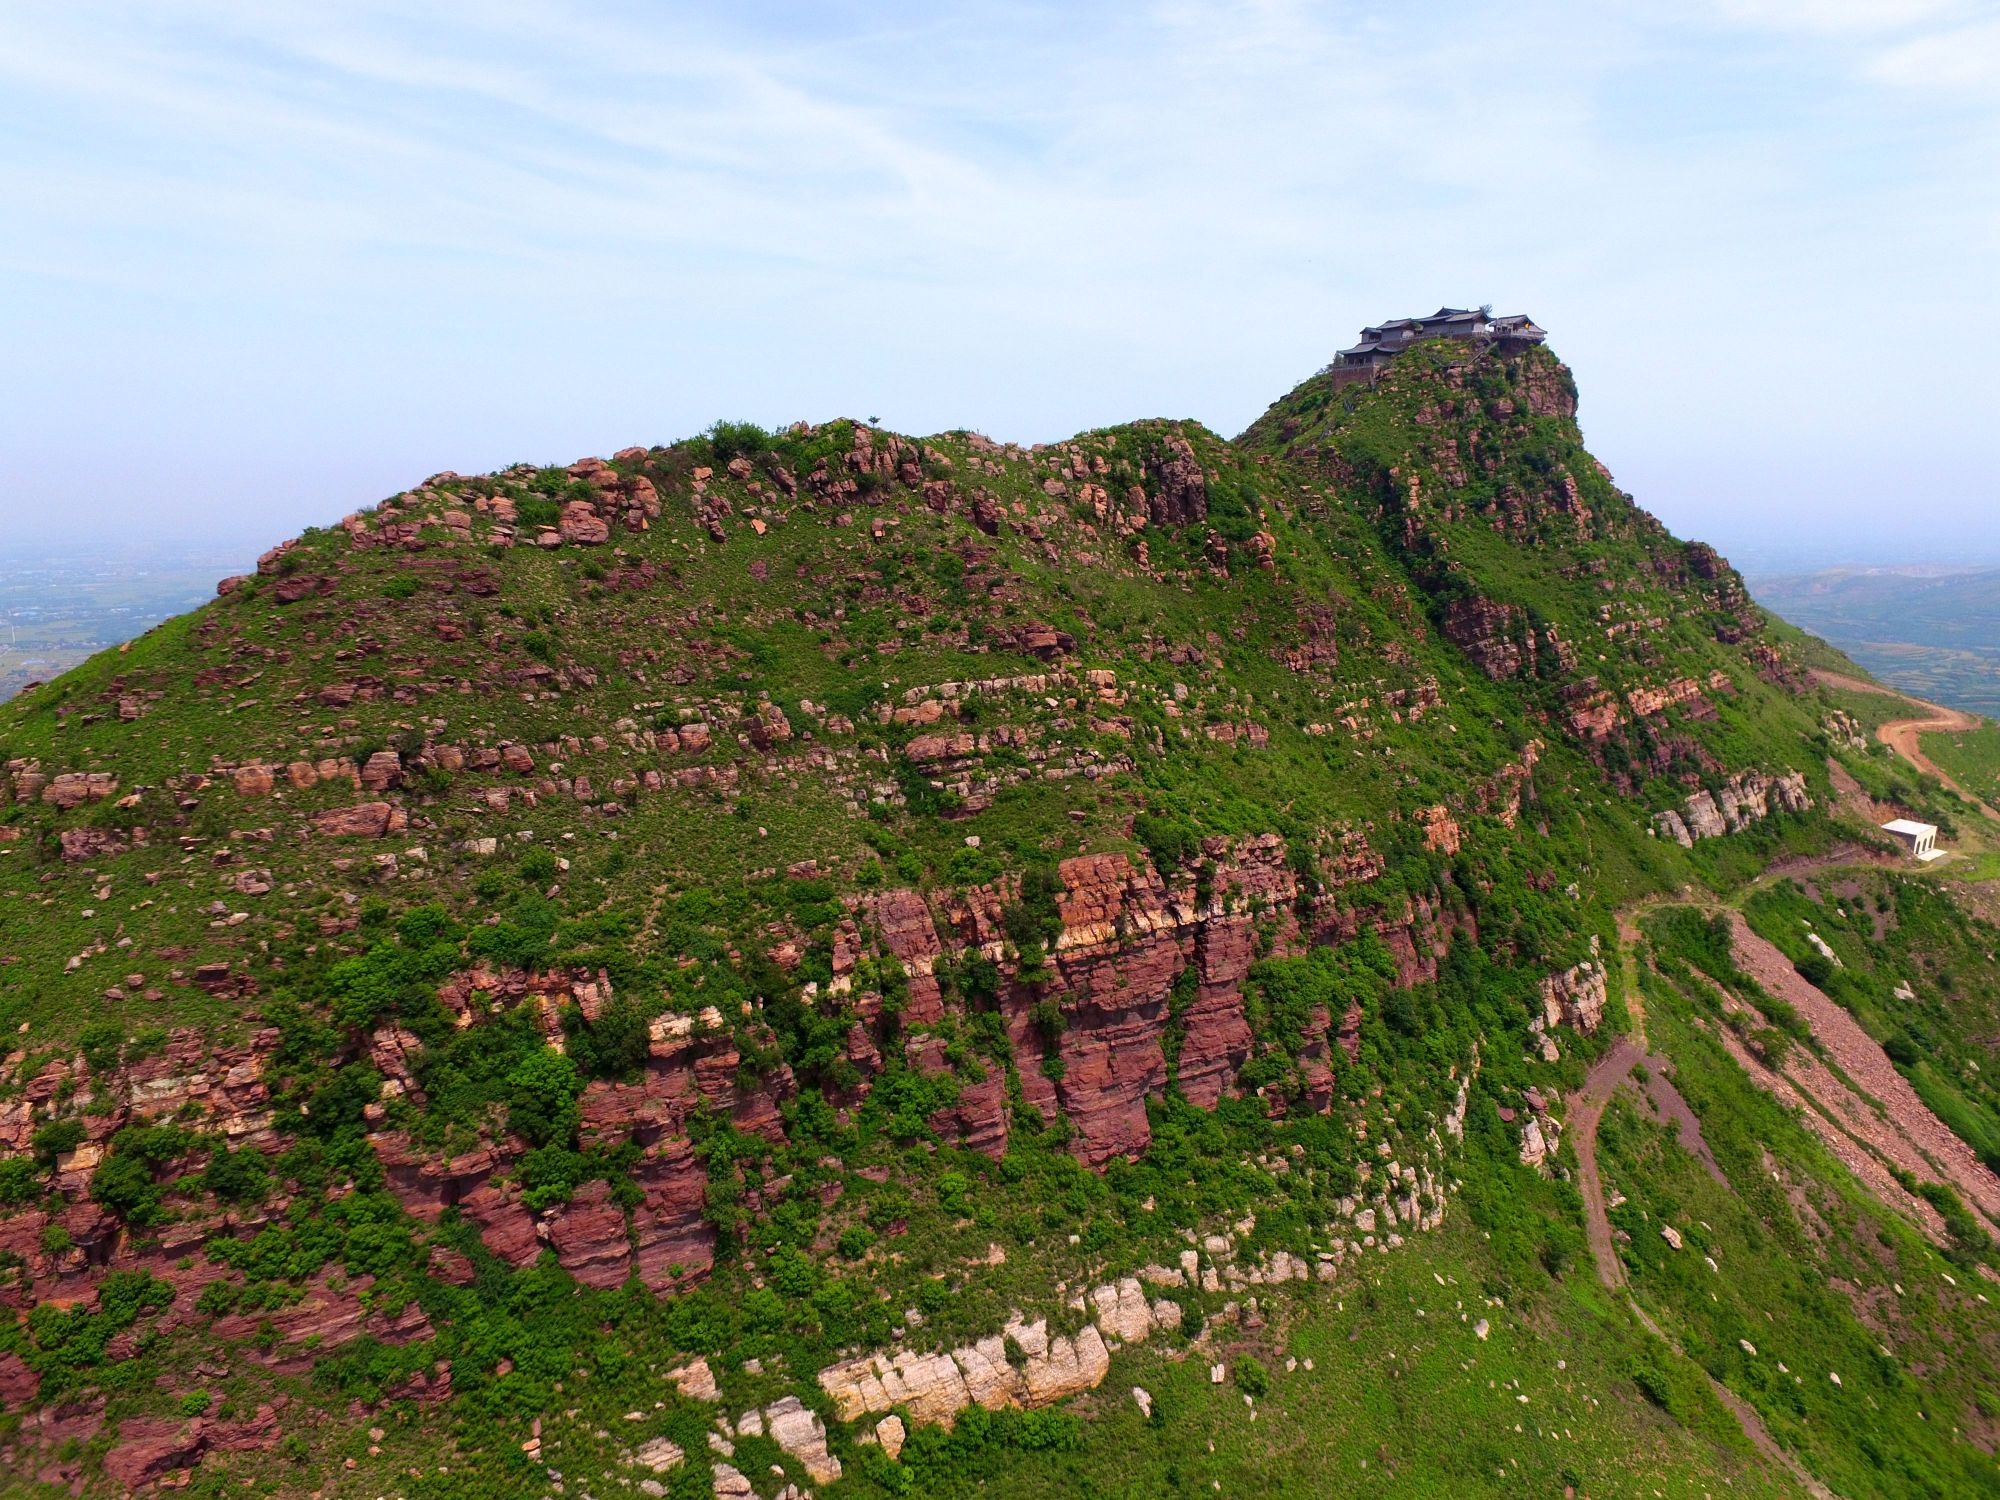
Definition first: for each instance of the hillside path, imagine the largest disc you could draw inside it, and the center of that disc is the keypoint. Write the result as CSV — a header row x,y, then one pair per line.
x,y
1905,736
1586,1110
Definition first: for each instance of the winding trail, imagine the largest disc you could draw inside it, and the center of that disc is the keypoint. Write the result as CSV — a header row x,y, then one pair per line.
x,y
1586,1110
1905,736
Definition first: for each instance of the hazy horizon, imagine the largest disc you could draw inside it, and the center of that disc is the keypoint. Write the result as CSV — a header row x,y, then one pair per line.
x,y
267,267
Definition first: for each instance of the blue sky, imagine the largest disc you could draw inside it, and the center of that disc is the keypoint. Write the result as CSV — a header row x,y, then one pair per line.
x,y
264,263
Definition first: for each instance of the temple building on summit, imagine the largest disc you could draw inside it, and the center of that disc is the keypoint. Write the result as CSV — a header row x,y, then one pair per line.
x,y
1381,343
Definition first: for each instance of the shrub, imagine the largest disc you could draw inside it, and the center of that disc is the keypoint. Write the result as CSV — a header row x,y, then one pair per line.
x,y
237,1176
56,1138
1171,841
616,1043
124,1185
541,1098
855,1240
20,1180
1251,1376
431,781
102,1043
738,440
376,1249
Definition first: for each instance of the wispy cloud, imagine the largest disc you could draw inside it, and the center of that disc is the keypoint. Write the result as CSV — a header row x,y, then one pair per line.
x,y
307,250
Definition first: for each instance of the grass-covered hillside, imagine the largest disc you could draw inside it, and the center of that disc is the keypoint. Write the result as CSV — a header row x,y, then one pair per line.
x,y
817,961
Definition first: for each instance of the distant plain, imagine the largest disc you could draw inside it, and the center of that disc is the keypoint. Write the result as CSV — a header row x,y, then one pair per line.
x,y
1931,630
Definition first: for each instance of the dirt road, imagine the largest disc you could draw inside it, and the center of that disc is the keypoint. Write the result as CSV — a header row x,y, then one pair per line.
x,y
1905,736
1586,1109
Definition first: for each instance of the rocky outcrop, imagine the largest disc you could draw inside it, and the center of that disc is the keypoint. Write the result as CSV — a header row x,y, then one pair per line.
x,y
1540,1140
368,820
797,1430
1485,631
934,1388
581,525
1129,948
1746,798
1501,640
1442,834
1126,939
150,1450
1179,491
1844,730
1546,388
73,789
589,1238
80,845
1024,1364
1576,997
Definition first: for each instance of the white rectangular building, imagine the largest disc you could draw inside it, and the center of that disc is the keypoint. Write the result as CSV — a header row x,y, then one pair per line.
x,y
1919,838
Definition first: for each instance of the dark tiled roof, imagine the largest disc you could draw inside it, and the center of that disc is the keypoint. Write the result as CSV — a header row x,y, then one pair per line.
x,y
1398,334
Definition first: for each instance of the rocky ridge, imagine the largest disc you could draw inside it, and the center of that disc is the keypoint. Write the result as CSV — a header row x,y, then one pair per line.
x,y
845,812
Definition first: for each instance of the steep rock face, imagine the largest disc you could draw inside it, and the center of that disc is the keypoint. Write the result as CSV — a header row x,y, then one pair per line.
x,y
1745,798
1500,640
1485,631
1576,997
1547,389
1124,942
150,1450
1180,488
1127,939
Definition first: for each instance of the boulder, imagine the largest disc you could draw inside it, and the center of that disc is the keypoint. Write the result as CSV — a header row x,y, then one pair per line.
x,y
363,820
150,1449
74,788
253,781
79,844
798,1430
383,772
1576,997
582,525
889,1432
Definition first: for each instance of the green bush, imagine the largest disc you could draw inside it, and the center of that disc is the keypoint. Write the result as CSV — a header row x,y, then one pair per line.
x,y
1251,1377
855,1240
102,1043
541,1098
20,1180
729,440
56,1138
237,1176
